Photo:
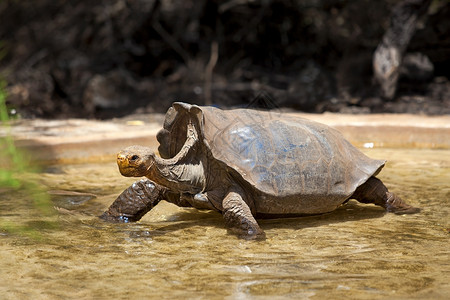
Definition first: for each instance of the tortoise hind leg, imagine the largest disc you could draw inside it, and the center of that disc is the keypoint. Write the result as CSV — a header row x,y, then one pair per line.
x,y
374,191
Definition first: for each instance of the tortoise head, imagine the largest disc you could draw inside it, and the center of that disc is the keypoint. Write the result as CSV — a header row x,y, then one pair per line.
x,y
135,161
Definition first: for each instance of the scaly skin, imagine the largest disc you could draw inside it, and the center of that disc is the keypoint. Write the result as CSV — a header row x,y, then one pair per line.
x,y
134,202
138,199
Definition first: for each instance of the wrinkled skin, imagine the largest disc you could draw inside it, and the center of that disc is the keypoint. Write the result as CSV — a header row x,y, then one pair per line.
x,y
195,174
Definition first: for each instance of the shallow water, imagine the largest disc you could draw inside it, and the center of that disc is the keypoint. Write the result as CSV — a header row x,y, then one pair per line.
x,y
356,252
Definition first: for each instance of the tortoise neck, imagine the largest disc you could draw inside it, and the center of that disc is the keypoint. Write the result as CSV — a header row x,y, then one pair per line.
x,y
178,177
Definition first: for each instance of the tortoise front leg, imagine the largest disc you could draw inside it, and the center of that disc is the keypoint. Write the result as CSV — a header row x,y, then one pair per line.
x,y
239,218
134,202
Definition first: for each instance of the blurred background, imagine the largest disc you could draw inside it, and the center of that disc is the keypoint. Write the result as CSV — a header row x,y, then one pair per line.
x,y
104,59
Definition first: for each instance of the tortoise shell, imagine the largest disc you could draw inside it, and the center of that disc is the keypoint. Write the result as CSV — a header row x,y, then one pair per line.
x,y
279,155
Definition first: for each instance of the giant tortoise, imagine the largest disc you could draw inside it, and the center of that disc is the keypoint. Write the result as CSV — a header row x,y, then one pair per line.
x,y
247,164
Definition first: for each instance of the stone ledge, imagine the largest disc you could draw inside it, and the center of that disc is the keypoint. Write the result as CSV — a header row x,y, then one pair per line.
x,y
73,140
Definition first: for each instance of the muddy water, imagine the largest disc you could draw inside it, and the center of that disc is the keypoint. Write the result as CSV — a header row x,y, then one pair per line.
x,y
356,252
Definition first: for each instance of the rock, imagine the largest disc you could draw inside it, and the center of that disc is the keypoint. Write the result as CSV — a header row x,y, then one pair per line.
x,y
388,56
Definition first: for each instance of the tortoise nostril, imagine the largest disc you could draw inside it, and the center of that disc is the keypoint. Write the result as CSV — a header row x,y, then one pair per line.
x,y
134,157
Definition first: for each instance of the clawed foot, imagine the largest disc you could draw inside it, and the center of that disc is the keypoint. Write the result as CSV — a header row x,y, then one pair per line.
x,y
244,228
107,216
249,234
396,205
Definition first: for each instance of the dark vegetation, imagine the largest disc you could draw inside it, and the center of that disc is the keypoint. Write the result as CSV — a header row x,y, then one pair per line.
x,y
101,59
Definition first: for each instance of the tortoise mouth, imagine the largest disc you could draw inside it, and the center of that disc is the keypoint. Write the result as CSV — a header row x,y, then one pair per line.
x,y
124,168
131,170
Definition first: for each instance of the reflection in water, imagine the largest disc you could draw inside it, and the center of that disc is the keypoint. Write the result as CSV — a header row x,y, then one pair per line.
x,y
357,251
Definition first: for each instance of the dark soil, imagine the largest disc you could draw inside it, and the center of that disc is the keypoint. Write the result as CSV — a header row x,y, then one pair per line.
x,y
103,59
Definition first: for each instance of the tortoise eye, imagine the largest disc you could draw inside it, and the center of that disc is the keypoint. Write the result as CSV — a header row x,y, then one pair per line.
x,y
134,157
